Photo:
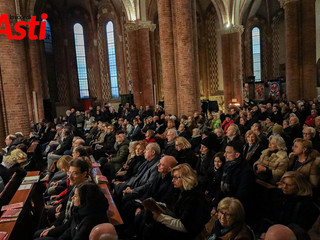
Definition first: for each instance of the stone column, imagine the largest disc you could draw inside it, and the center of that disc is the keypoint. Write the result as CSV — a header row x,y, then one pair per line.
x,y
167,56
36,81
141,61
293,87
13,76
308,42
186,63
232,63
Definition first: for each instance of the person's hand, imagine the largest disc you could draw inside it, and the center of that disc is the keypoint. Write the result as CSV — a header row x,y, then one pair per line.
x,y
213,211
138,211
260,168
58,208
128,190
155,215
56,183
53,197
46,231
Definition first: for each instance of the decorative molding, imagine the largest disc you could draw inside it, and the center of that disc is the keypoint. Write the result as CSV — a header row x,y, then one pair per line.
x,y
284,2
232,29
133,26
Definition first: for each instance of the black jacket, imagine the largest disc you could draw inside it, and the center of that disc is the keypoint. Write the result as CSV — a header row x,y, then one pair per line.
x,y
187,156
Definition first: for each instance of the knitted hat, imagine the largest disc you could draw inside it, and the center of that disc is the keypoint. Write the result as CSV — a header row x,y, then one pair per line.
x,y
207,142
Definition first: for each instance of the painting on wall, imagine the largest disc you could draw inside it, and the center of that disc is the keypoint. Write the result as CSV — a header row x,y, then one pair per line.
x,y
259,91
274,90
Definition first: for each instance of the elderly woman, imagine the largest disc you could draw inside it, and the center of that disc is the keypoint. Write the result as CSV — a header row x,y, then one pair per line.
x,y
229,222
130,168
293,203
304,159
189,212
273,161
184,152
252,148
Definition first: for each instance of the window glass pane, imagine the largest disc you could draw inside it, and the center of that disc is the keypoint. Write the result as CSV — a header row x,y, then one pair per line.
x,y
112,60
81,60
256,53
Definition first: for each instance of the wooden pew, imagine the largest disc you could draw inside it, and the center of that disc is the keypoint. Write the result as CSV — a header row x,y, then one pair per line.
x,y
265,184
20,229
113,213
9,190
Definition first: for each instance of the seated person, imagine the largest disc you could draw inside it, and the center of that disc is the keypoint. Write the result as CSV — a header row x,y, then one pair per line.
x,y
229,222
89,209
306,160
103,231
273,161
293,203
190,210
15,162
279,232
184,152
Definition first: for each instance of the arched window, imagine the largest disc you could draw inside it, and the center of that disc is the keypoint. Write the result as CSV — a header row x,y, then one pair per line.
x,y
48,39
81,60
112,59
256,53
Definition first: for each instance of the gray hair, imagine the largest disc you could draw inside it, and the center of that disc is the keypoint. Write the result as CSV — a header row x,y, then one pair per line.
x,y
155,147
173,131
281,144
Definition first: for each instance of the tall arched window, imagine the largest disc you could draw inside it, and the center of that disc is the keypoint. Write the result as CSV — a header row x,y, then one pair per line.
x,y
112,59
48,39
256,53
81,60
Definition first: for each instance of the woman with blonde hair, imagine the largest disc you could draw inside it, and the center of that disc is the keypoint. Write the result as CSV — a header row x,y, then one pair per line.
x,y
252,148
16,162
306,160
292,203
229,222
184,152
273,161
187,217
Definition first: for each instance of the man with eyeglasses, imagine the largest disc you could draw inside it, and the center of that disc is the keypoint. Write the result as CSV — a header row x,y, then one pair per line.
x,y
78,173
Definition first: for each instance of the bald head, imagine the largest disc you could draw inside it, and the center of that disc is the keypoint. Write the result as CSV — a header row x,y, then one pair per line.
x,y
166,164
104,231
280,232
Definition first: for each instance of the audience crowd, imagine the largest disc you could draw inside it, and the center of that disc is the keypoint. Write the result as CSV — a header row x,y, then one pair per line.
x,y
246,173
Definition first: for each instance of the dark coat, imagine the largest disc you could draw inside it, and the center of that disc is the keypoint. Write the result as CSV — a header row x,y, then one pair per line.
x,y
254,153
82,222
65,145
187,156
205,168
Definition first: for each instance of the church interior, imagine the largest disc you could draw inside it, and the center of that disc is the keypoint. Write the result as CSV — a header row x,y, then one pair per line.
x,y
180,55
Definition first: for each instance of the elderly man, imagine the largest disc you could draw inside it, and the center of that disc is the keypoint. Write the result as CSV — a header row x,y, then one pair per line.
x,y
111,164
279,232
232,135
161,189
170,148
145,176
104,231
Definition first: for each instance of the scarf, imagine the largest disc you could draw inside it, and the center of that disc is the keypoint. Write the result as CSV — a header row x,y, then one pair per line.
x,y
219,231
228,169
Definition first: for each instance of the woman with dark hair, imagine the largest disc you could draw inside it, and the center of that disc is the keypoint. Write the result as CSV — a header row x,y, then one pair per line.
x,y
89,209
213,185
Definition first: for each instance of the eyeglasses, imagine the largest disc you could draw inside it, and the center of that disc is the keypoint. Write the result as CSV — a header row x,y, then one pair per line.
x,y
305,133
225,214
176,177
178,144
286,184
73,173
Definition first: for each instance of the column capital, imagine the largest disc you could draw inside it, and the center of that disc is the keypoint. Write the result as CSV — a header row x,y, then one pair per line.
x,y
133,26
284,2
232,29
